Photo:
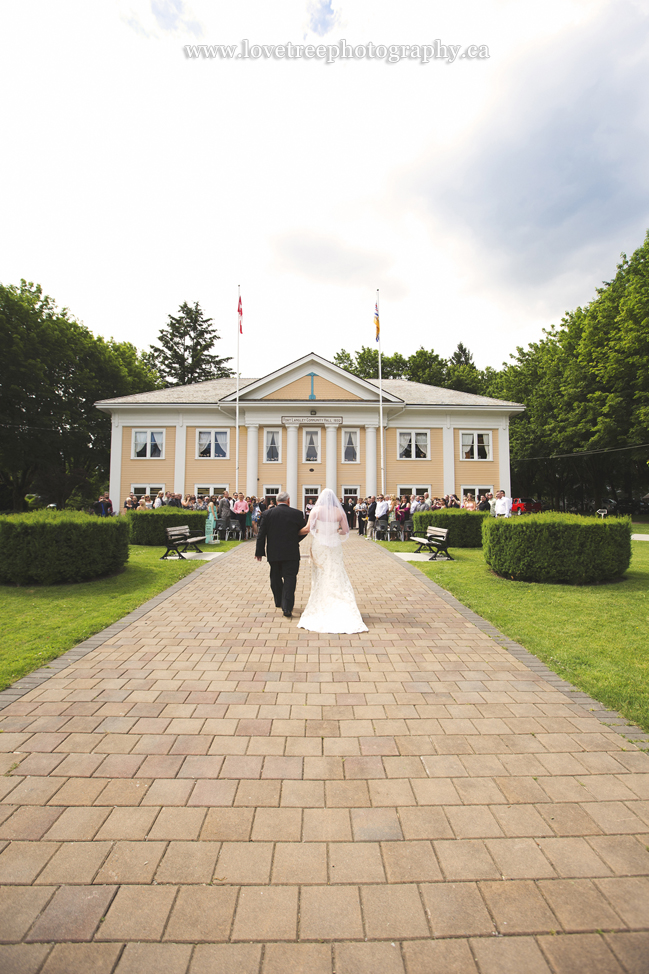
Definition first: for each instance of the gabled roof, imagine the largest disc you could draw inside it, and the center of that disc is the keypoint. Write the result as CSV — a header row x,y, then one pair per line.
x,y
395,391
200,393
418,393
362,388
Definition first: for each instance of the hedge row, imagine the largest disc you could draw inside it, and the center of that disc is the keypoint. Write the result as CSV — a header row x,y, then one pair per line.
x,y
464,527
61,546
148,527
554,547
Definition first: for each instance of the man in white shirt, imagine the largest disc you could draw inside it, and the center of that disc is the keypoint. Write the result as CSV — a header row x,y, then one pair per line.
x,y
382,508
414,505
503,507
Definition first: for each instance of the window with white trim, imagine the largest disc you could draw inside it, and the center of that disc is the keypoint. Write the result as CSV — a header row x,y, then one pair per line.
x,y
215,489
475,445
310,494
212,444
311,446
148,445
271,490
350,446
272,446
351,493
413,445
476,492
141,490
407,490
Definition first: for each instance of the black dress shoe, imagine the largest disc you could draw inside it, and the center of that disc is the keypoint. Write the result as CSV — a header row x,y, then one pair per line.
x,y
289,615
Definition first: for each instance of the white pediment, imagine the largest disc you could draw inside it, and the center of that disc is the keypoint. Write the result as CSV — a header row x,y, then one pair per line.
x,y
309,378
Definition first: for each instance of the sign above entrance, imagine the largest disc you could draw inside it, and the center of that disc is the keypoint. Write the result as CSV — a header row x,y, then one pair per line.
x,y
312,420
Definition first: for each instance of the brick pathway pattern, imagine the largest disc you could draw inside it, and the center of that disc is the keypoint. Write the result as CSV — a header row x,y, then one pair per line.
x,y
212,791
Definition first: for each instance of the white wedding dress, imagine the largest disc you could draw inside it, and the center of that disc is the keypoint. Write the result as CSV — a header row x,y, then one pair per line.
x,y
332,605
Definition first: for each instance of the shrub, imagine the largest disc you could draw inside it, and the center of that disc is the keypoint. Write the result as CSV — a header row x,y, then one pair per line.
x,y
464,527
556,547
148,527
61,546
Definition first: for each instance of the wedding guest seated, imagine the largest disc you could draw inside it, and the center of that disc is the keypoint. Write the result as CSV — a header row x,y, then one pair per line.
x,y
403,510
393,503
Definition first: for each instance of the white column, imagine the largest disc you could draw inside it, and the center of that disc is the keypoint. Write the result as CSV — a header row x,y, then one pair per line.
x,y
448,458
291,465
503,459
179,460
252,460
370,461
115,485
331,458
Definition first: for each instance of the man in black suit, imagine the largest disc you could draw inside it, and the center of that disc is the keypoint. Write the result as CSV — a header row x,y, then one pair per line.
x,y
279,539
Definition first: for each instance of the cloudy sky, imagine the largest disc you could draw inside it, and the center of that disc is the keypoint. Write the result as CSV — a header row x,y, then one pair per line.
x,y
484,197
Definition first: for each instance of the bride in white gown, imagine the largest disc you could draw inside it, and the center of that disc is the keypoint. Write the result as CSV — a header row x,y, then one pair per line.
x,y
331,606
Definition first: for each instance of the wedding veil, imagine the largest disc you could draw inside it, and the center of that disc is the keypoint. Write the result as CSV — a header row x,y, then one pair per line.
x,y
328,521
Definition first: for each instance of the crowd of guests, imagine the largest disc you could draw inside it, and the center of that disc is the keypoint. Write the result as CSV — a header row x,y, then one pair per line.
x,y
362,513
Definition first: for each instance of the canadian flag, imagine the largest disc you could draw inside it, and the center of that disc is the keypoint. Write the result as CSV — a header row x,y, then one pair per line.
x,y
240,309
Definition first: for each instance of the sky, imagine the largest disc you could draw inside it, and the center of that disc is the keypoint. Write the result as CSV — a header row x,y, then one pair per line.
x,y
484,196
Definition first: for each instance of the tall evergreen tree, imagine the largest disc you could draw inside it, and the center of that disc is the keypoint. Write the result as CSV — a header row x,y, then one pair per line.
x,y
461,356
185,355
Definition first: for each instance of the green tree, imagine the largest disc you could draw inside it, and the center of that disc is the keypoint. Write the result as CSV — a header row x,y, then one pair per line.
x,y
52,437
461,356
344,360
185,355
586,388
365,363
426,367
462,374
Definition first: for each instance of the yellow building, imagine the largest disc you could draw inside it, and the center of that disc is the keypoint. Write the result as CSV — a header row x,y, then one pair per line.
x,y
304,427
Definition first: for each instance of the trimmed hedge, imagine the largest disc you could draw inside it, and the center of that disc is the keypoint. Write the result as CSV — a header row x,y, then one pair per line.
x,y
464,527
148,527
61,546
553,547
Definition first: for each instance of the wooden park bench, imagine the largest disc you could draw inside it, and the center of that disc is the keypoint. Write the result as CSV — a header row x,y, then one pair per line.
x,y
435,542
178,538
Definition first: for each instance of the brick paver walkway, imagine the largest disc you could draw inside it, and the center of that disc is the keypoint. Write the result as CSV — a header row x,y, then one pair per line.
x,y
214,790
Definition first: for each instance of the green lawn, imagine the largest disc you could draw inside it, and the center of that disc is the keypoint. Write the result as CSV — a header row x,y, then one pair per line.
x,y
595,636
38,623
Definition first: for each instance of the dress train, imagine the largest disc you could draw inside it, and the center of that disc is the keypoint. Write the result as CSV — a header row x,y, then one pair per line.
x,y
332,604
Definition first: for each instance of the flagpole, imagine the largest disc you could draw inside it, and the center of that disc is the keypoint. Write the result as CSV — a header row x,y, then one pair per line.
x,y
236,478
381,406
